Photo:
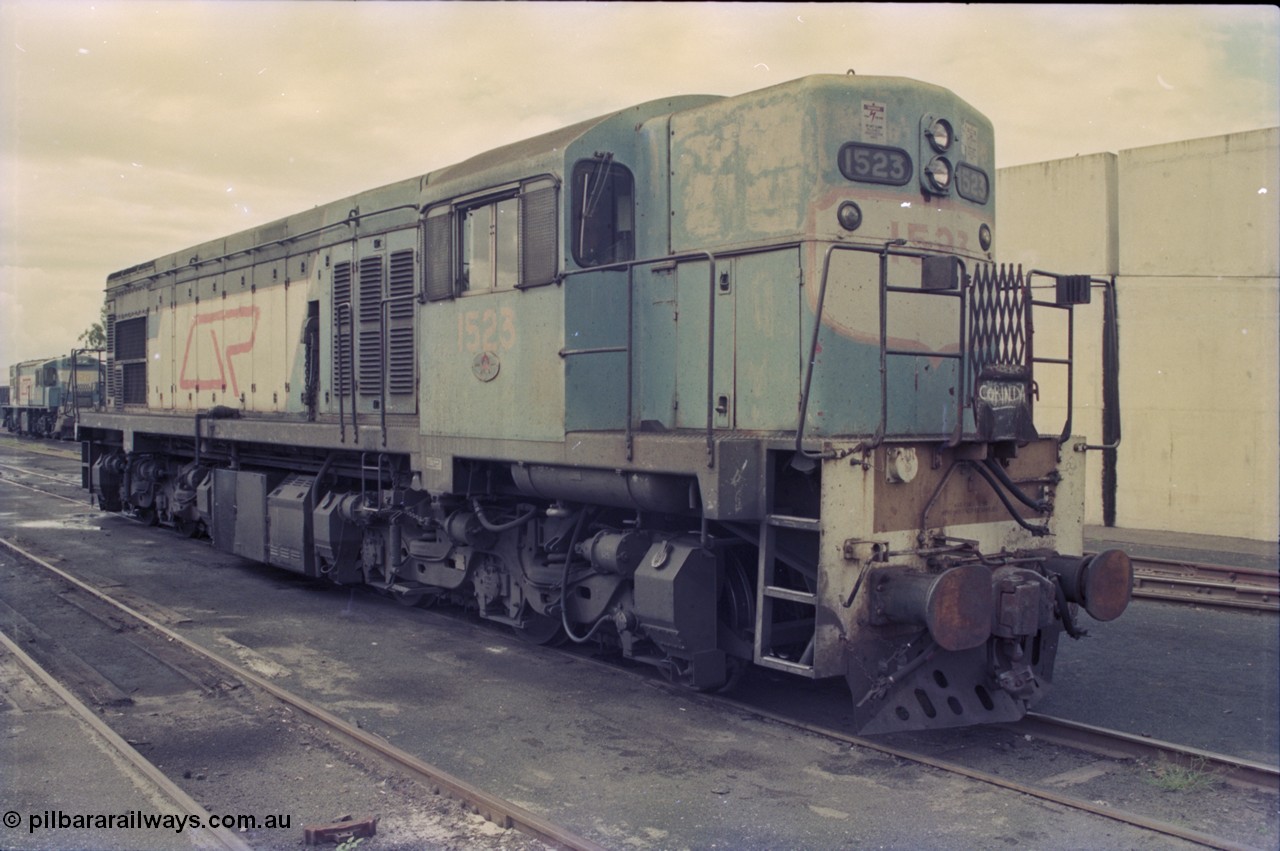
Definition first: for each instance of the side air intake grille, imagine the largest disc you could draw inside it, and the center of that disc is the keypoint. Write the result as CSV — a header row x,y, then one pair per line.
x,y
342,328
538,244
370,311
400,350
438,244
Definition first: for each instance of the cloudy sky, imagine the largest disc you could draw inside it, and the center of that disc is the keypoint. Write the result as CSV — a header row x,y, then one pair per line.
x,y
132,129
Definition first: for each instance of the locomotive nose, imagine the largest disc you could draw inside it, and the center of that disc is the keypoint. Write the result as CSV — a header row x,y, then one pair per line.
x,y
992,637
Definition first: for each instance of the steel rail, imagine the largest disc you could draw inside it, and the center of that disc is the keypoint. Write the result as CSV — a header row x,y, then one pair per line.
x,y
1220,585
497,810
1099,809
71,481
39,447
221,835
1120,745
8,481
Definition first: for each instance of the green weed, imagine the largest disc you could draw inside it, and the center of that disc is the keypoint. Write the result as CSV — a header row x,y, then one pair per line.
x,y
1179,777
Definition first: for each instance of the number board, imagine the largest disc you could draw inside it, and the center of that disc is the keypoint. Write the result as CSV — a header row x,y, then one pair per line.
x,y
972,183
875,164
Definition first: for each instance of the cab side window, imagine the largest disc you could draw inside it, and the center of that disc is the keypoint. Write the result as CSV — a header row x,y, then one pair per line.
x,y
489,246
507,240
603,195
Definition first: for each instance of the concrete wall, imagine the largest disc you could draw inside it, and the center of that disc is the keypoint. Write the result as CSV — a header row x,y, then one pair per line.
x,y
1192,232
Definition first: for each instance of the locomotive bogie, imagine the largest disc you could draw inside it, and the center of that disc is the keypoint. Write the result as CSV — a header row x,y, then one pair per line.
x,y
712,382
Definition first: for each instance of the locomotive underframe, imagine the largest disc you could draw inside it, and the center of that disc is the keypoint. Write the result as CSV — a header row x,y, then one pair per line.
x,y
40,421
861,566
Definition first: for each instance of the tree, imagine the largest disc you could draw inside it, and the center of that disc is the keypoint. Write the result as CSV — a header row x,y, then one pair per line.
x,y
95,336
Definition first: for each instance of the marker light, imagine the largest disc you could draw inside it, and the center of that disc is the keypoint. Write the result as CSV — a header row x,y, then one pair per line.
x,y
849,215
984,237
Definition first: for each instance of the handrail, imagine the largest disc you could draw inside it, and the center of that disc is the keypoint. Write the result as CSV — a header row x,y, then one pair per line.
x,y
352,218
884,251
1068,361
629,266
98,393
342,370
1111,339
1111,363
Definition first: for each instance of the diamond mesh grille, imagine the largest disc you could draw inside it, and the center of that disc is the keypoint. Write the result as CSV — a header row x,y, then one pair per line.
x,y
999,324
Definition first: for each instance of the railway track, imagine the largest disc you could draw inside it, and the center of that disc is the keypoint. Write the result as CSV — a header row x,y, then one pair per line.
x,y
1106,743
1116,744
1112,744
497,810
1217,585
165,788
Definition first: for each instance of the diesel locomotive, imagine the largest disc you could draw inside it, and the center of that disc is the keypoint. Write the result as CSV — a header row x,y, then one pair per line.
x,y
713,381
44,396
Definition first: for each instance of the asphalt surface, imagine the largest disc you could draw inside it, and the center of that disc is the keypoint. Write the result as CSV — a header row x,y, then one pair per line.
x,y
1200,677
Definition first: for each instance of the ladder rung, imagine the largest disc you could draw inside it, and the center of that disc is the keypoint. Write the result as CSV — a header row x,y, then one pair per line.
x,y
785,521
788,594
785,665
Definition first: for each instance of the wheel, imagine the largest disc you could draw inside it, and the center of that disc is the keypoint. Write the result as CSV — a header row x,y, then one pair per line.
x,y
540,629
736,621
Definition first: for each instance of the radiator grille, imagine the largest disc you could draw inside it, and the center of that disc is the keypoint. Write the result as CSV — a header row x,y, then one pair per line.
x,y
342,328
131,339
400,337
370,337
113,374
128,374
370,288
400,285
538,244
438,236
400,366
134,383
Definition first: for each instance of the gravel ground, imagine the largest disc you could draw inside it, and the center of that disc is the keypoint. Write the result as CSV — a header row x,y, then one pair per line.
x,y
231,748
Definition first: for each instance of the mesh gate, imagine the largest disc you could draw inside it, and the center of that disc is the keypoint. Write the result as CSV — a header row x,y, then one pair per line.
x,y
999,322
999,352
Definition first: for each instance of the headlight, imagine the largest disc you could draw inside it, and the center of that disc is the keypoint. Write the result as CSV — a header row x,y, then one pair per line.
x,y
937,175
940,135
